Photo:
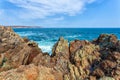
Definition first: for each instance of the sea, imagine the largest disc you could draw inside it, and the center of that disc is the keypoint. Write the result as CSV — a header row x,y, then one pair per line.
x,y
47,37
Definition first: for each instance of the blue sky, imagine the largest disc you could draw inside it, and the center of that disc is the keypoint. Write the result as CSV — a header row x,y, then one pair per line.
x,y
60,13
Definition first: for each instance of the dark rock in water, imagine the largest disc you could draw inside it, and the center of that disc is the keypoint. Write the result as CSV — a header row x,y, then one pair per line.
x,y
21,59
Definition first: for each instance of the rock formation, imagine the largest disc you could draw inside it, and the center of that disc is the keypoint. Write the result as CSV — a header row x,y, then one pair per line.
x,y
21,59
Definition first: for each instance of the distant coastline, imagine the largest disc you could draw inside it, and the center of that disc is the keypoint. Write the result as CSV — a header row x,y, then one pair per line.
x,y
23,26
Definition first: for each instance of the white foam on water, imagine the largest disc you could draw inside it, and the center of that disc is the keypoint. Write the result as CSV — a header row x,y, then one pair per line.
x,y
46,46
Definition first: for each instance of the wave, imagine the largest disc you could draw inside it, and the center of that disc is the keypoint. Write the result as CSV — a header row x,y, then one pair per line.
x,y
46,46
73,36
26,33
30,33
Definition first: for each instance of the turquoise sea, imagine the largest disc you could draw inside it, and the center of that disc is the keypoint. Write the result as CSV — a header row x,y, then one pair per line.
x,y
46,37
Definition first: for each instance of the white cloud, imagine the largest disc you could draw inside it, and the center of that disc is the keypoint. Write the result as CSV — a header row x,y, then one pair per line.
x,y
44,8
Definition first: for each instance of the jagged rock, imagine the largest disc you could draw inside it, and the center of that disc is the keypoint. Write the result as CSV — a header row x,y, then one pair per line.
x,y
107,41
75,45
15,50
106,38
92,78
106,64
86,55
118,46
32,44
26,39
1,59
58,60
31,72
114,56
43,59
98,73
83,60
60,55
61,47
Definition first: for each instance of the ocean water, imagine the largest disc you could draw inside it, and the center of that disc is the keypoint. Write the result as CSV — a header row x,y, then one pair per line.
x,y
47,37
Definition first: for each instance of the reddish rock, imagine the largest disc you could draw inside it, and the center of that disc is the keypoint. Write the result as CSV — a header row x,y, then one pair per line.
x,y
76,44
31,72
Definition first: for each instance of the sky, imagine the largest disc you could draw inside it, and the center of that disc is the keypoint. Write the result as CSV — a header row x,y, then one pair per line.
x,y
61,13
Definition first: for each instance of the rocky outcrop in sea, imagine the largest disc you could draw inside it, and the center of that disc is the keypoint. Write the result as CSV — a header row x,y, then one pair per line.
x,y
22,59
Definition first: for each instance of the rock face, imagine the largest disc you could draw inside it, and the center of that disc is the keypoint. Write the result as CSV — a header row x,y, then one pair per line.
x,y
83,60
21,59
14,51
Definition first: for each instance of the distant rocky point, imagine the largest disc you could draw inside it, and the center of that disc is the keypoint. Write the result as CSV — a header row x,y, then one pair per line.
x,y
24,26
21,59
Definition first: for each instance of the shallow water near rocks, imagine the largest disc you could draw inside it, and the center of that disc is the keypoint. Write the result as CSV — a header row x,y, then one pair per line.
x,y
47,37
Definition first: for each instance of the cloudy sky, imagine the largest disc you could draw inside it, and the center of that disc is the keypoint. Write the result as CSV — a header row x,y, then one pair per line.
x,y
60,13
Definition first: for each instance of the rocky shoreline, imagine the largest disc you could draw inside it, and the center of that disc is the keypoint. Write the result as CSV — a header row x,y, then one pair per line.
x,y
21,59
